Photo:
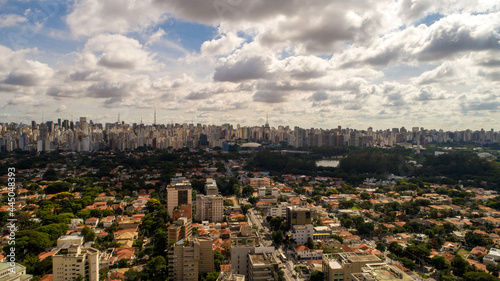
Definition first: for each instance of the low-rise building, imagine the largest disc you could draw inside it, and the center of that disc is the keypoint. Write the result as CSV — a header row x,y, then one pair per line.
x,y
380,272
493,256
341,266
16,273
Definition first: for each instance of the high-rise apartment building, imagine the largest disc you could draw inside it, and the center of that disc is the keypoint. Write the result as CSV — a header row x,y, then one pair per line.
x,y
298,216
179,194
209,208
189,258
74,260
181,229
211,187
262,267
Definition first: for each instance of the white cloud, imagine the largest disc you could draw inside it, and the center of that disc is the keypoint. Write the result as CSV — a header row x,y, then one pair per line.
x,y
221,46
11,20
92,17
118,52
448,37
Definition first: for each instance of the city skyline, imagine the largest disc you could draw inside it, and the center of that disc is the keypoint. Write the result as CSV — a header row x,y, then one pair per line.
x,y
318,64
85,135
142,121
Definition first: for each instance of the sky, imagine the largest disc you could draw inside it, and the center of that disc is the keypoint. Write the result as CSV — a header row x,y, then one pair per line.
x,y
317,63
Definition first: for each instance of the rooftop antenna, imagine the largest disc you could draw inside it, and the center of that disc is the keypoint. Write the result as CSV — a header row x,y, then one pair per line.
x,y
155,118
118,117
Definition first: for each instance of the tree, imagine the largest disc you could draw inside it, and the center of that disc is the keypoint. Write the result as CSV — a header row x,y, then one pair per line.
x,y
55,230
153,204
366,228
211,276
247,191
50,175
277,237
310,243
277,223
156,269
160,240
218,259
479,276
459,266
122,263
407,263
317,275
88,234
381,246
346,204
476,239
237,190
493,269
440,263
395,248
337,237
31,241
365,196
253,200
58,187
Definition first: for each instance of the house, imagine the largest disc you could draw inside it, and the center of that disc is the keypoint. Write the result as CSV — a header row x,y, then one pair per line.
x,y
92,222
477,251
74,223
125,237
450,247
493,256
420,238
304,253
127,253
459,235
108,221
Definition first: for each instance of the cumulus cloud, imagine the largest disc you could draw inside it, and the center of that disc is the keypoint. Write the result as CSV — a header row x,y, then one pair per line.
x,y
232,70
319,96
118,51
338,60
91,17
221,46
269,97
29,73
11,20
61,109
445,38
23,100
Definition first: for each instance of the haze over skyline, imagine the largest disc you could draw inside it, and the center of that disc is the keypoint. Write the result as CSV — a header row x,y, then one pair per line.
x,y
321,63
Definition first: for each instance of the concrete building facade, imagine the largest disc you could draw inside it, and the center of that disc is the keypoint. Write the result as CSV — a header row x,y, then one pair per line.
x,y
189,258
209,208
341,266
179,194
73,260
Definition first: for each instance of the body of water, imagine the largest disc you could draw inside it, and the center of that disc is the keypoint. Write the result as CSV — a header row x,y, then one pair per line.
x,y
327,163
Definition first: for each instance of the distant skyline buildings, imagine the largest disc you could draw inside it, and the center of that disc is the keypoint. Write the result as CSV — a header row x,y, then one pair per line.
x,y
87,135
260,121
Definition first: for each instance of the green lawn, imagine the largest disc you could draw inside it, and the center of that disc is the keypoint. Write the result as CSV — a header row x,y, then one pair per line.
x,y
463,253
